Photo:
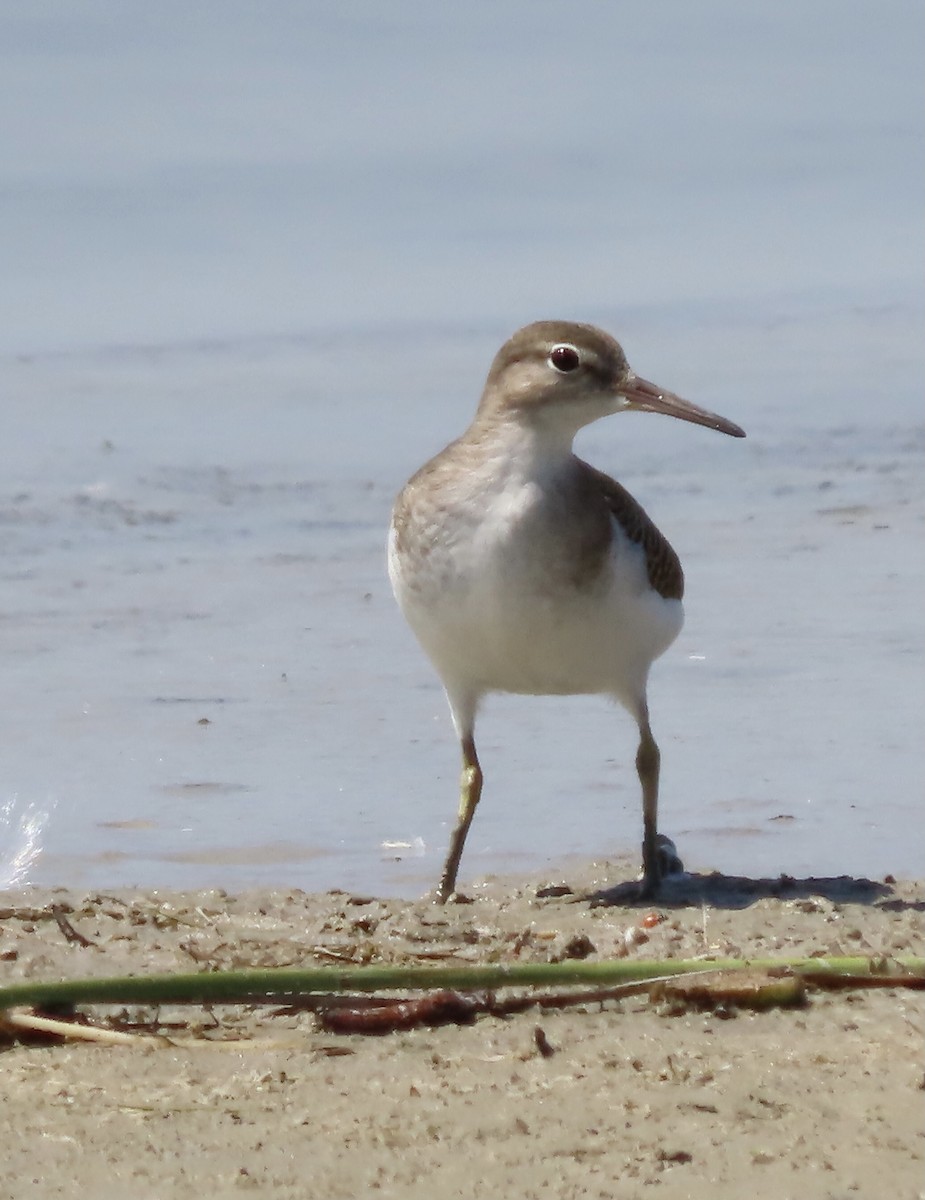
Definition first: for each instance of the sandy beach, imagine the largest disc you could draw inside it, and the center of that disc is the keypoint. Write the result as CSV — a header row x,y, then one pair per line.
x,y
824,1100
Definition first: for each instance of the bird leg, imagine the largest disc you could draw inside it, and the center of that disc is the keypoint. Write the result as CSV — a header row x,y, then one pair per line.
x,y
470,789
647,765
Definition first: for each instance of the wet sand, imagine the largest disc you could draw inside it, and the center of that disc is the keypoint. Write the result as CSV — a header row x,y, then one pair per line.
x,y
822,1101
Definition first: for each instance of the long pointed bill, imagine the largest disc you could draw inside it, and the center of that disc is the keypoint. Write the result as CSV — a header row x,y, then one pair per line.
x,y
646,397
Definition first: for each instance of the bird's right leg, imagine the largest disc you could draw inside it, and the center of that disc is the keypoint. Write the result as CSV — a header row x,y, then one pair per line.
x,y
470,790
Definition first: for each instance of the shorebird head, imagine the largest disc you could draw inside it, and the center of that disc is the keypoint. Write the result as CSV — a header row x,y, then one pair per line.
x,y
562,375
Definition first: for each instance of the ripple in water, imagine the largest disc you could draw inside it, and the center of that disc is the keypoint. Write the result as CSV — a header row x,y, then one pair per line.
x,y
21,828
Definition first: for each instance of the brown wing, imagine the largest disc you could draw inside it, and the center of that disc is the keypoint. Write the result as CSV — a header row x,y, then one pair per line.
x,y
662,564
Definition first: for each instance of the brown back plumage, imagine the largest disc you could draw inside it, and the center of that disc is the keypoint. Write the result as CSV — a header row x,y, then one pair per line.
x,y
662,564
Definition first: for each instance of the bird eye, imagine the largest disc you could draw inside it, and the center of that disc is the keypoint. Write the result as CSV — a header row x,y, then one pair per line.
x,y
564,358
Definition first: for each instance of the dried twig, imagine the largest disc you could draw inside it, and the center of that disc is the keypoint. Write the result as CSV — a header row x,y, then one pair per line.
x,y
70,933
30,1023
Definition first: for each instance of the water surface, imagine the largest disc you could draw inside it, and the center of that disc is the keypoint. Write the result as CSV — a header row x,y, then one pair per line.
x,y
235,318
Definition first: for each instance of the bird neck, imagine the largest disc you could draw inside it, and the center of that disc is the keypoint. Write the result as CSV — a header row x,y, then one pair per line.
x,y
534,446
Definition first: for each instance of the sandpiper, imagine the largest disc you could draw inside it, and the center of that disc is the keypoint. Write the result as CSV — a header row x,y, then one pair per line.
x,y
520,568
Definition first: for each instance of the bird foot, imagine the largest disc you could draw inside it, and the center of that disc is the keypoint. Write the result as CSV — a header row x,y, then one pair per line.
x,y
442,897
635,891
648,886
666,853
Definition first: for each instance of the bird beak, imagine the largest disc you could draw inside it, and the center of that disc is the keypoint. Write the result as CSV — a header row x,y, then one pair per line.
x,y
643,396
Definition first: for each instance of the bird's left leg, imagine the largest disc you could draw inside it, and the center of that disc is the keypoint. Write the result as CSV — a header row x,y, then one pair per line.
x,y
648,760
659,856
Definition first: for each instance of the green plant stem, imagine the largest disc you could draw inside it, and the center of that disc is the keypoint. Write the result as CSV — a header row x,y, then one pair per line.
x,y
282,985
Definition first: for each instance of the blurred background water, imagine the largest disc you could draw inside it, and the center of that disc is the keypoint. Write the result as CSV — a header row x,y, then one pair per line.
x,y
255,264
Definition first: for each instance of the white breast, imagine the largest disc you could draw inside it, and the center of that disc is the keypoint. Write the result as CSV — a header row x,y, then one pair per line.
x,y
493,616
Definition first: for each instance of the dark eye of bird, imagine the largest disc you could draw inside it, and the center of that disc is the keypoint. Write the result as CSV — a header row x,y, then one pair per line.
x,y
565,358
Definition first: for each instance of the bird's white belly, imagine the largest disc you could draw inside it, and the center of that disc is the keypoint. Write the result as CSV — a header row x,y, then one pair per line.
x,y
493,618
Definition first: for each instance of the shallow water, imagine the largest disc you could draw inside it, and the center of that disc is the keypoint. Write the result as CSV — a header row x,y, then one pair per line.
x,y
205,679
205,673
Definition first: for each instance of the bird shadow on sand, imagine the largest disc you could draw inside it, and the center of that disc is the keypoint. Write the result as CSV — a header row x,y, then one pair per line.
x,y
691,890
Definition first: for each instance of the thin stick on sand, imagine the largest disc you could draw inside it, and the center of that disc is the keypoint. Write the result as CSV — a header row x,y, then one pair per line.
x,y
278,985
